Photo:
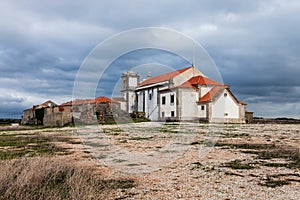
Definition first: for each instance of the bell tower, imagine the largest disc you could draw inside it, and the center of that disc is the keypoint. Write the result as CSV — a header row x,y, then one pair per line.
x,y
130,81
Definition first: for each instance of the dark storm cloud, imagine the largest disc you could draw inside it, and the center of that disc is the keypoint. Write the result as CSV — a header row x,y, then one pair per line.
x,y
257,54
137,60
254,44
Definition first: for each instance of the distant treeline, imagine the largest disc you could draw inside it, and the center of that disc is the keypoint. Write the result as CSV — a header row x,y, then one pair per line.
x,y
280,120
9,121
256,120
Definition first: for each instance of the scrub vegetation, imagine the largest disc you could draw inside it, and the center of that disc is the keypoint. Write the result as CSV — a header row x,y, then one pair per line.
x,y
58,163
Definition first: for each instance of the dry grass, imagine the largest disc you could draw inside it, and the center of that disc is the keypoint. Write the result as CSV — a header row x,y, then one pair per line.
x,y
246,159
52,178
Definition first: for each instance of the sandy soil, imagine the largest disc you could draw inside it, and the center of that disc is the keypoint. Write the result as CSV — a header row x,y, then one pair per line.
x,y
192,161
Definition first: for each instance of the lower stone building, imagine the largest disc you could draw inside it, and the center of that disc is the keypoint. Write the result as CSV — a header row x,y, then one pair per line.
x,y
60,115
35,115
87,111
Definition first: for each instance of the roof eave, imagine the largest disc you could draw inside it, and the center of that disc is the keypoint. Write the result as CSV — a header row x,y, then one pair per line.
x,y
151,85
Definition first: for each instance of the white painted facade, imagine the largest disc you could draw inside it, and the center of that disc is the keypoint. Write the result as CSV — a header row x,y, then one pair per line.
x,y
133,82
189,108
168,104
202,111
226,108
147,102
177,96
130,81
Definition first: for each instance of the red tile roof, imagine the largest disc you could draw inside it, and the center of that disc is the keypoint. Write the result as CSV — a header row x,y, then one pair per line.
x,y
101,99
214,92
201,80
163,77
211,94
186,84
69,103
198,80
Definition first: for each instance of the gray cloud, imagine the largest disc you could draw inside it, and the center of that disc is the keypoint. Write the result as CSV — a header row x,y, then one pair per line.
x,y
254,44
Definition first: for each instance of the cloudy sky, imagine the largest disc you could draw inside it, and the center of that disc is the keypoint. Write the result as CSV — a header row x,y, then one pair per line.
x,y
254,43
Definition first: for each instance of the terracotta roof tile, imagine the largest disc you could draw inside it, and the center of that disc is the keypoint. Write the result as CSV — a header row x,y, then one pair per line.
x,y
69,103
198,80
201,80
101,99
211,94
163,77
214,92
186,84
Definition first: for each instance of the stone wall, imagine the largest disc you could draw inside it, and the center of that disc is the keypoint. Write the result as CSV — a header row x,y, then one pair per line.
x,y
58,116
249,117
28,117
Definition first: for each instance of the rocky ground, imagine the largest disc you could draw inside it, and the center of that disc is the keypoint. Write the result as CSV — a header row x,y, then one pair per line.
x,y
188,160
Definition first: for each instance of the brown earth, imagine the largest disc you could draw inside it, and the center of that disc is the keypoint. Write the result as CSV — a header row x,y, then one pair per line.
x,y
185,160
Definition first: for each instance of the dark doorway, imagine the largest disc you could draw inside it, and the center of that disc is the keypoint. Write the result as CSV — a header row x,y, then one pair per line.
x,y
39,115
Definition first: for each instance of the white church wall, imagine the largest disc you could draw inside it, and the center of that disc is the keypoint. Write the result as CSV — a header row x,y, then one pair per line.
x,y
202,110
129,83
131,101
140,101
147,102
189,108
133,81
232,108
152,107
225,108
168,108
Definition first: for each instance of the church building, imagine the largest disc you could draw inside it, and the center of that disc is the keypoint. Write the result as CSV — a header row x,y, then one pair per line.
x,y
182,95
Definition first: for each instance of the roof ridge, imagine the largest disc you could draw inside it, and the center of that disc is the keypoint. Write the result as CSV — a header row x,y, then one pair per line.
x,y
202,80
163,77
87,101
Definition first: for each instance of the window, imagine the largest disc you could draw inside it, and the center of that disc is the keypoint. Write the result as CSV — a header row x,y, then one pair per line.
x,y
172,114
162,114
202,107
172,99
150,96
163,100
225,94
